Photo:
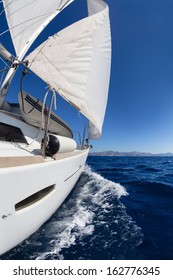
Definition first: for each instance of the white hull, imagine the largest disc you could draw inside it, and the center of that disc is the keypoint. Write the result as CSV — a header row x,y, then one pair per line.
x,y
19,221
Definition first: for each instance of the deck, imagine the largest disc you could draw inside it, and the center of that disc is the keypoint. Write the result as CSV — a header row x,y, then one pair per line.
x,y
26,160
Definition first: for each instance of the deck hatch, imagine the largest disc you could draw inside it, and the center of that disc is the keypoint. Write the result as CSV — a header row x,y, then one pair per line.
x,y
34,198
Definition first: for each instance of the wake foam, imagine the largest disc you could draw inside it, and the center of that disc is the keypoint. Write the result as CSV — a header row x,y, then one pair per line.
x,y
75,219
103,186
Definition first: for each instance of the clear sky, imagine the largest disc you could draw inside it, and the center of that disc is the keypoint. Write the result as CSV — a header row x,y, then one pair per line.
x,y
139,114
140,107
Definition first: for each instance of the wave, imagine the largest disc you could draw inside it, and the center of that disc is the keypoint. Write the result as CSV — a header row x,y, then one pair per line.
x,y
147,168
103,184
75,218
111,169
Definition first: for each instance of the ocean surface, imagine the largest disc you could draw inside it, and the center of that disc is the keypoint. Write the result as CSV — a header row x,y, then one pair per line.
x,y
121,208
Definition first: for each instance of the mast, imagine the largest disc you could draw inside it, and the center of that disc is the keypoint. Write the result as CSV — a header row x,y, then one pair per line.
x,y
26,20
4,87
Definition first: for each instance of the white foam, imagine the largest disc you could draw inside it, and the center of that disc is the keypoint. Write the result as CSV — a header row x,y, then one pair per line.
x,y
64,233
75,218
105,189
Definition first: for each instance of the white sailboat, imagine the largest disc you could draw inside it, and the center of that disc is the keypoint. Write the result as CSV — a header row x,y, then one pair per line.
x,y
40,162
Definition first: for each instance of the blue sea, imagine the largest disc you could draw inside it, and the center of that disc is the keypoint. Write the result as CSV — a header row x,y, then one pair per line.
x,y
121,208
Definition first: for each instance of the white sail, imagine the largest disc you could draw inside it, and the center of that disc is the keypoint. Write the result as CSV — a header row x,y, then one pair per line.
x,y
27,18
76,63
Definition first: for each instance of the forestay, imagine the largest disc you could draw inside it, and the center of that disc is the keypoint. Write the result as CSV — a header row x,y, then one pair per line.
x,y
76,63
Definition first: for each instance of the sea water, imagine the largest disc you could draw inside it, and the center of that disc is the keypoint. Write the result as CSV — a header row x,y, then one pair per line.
x,y
121,208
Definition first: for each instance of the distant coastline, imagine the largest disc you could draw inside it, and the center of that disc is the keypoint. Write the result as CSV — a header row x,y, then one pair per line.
x,y
134,153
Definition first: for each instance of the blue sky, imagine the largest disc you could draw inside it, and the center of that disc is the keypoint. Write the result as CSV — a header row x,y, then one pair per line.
x,y
140,107
139,114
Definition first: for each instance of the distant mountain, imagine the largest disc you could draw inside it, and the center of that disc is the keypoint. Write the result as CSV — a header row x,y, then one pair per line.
x,y
134,153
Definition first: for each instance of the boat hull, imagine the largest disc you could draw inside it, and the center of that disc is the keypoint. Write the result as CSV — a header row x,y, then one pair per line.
x,y
30,194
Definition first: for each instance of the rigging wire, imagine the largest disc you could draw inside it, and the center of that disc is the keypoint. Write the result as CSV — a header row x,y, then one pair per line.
x,y
3,61
6,68
15,26
7,30
1,13
45,139
3,70
2,77
44,108
5,7
43,15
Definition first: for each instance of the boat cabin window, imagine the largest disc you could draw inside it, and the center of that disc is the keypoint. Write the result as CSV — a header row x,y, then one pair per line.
x,y
34,198
11,133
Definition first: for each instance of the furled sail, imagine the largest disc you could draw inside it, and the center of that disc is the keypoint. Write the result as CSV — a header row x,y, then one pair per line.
x,y
76,63
27,18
